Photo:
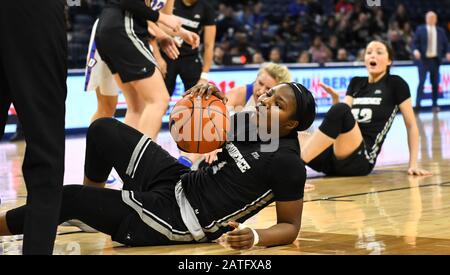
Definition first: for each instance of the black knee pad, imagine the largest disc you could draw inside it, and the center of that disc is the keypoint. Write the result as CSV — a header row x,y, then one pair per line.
x,y
100,126
101,136
338,120
100,133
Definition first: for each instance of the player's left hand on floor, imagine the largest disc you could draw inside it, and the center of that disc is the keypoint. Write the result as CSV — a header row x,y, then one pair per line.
x,y
418,172
239,239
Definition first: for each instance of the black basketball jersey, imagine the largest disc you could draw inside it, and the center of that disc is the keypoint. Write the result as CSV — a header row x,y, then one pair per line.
x,y
375,106
193,18
132,13
243,181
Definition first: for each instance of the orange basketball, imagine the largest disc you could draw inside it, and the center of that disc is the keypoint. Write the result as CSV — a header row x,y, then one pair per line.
x,y
198,125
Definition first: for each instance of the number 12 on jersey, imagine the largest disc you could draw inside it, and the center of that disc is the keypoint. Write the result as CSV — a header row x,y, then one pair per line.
x,y
362,115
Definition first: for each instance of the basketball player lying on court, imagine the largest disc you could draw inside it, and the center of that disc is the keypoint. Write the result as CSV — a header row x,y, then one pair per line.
x,y
163,202
269,75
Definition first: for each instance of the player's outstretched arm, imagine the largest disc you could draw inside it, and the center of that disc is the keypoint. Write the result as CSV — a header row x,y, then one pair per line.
x,y
413,139
289,216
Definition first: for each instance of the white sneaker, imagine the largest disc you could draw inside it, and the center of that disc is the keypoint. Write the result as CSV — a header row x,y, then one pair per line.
x,y
81,225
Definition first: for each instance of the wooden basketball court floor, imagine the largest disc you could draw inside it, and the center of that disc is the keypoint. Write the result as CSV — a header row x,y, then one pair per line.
x,y
387,212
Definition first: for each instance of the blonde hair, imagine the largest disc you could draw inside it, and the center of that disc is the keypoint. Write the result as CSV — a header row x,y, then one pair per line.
x,y
278,72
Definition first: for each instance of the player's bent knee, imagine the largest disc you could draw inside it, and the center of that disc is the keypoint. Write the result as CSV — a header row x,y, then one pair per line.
x,y
338,110
100,127
338,120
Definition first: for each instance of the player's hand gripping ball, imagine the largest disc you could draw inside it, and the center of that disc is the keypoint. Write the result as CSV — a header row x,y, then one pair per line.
x,y
199,122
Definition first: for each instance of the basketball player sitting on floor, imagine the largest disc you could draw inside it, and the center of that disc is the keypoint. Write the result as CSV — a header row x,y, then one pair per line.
x,y
163,202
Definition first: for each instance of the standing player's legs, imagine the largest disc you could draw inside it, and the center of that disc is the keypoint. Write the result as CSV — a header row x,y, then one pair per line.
x,y
106,105
107,92
171,75
422,67
99,78
152,92
190,71
37,79
130,59
434,79
339,129
135,104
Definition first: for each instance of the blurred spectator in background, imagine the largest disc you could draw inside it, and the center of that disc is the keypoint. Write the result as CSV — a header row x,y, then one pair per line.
x,y
333,46
362,30
275,56
298,7
430,48
227,25
330,27
407,36
345,34
342,55
379,22
218,57
399,46
258,16
304,58
344,6
400,16
257,58
328,7
248,19
407,33
301,35
289,25
243,46
315,11
284,32
361,55
221,11
319,52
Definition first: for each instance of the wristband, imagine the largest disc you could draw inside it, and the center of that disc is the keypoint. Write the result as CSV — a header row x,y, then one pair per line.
x,y
255,234
204,76
255,237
